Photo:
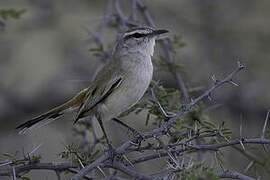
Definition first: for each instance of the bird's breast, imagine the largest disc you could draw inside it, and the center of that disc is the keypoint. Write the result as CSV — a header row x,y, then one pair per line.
x,y
136,79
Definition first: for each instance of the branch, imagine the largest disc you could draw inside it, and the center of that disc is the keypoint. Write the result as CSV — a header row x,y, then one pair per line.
x,y
234,175
56,166
133,16
187,108
111,177
122,149
98,39
28,157
60,166
214,147
120,166
73,170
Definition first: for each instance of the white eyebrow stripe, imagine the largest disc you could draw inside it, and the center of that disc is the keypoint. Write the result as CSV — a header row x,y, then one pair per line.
x,y
137,31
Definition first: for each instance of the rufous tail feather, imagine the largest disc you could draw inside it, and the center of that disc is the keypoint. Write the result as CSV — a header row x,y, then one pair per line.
x,y
52,114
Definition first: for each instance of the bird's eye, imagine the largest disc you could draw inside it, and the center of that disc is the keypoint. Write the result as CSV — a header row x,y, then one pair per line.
x,y
137,35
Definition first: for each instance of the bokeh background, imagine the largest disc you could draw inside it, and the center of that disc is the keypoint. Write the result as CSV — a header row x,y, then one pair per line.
x,y
45,60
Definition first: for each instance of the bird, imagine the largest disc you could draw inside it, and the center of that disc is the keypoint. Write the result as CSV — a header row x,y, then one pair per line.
x,y
119,85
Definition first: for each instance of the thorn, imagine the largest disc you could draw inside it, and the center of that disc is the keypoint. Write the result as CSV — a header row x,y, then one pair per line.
x,y
128,161
102,172
265,124
241,127
249,166
7,163
233,83
173,158
182,163
209,97
173,176
213,77
189,134
13,173
58,174
217,161
80,162
240,66
241,142
35,149
190,163
159,155
133,143
264,148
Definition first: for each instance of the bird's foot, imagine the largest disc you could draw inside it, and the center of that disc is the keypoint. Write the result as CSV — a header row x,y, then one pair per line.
x,y
111,152
138,137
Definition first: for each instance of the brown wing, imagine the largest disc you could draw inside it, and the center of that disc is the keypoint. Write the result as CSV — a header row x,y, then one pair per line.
x,y
100,90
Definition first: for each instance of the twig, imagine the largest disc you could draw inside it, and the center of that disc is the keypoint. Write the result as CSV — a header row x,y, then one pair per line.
x,y
234,175
59,166
102,172
73,170
49,166
162,110
99,41
13,173
120,166
91,166
214,147
265,124
29,156
133,16
58,174
187,108
112,177
163,128
104,22
217,161
249,166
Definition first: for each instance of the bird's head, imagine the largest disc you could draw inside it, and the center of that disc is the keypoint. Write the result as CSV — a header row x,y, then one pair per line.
x,y
140,39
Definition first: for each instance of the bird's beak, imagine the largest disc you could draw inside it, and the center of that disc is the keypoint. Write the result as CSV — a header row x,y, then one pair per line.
x,y
159,31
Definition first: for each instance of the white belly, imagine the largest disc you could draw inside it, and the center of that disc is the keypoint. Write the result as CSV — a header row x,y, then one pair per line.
x,y
130,91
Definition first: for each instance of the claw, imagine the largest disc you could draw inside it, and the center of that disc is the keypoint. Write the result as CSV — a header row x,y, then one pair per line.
x,y
111,152
139,137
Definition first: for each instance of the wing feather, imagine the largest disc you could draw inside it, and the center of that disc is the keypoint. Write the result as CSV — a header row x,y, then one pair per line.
x,y
97,94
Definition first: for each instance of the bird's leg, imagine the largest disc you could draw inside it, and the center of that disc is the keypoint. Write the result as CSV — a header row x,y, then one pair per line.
x,y
125,125
136,133
111,150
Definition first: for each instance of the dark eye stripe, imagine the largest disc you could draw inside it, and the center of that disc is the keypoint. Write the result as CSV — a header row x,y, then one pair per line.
x,y
135,35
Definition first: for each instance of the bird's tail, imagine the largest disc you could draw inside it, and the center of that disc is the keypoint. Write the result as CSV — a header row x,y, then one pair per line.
x,y
52,114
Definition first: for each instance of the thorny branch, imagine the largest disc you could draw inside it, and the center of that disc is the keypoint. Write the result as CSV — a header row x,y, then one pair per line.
x,y
234,175
61,166
214,147
26,157
163,149
122,149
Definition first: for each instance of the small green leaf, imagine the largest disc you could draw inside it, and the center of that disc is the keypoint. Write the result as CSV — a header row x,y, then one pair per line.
x,y
8,155
147,119
11,13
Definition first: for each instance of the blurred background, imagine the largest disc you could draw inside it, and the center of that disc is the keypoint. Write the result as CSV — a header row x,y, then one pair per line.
x,y
45,60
